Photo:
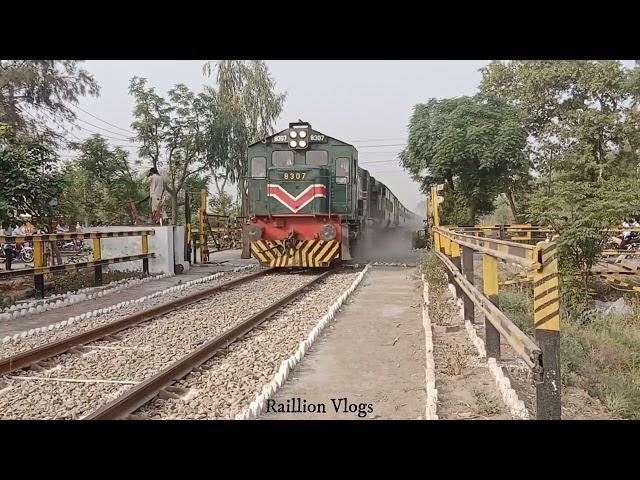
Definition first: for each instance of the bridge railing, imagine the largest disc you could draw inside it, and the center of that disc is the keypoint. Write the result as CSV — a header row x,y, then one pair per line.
x,y
40,269
456,249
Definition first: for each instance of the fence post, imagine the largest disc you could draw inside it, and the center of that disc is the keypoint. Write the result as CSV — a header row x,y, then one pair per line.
x,y
467,266
454,249
145,249
38,261
97,255
490,288
187,227
9,257
204,253
546,317
436,241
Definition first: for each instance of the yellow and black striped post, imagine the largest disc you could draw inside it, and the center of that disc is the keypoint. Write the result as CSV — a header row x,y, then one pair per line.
x,y
490,289
38,261
467,267
546,317
97,255
145,249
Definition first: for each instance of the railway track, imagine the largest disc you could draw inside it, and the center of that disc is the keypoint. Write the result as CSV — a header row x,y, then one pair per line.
x,y
126,371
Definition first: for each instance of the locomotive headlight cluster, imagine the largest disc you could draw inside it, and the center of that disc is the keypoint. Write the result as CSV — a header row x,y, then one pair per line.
x,y
327,232
296,136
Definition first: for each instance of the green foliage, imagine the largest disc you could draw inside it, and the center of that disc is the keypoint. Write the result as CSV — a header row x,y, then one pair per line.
x,y
174,133
473,144
578,112
454,209
578,212
36,93
223,204
99,183
247,107
599,355
29,179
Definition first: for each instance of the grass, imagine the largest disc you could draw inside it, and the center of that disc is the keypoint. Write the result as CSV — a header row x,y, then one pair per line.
x,y
600,354
486,405
455,362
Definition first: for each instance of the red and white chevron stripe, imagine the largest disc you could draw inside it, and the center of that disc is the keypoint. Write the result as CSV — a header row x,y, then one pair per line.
x,y
295,204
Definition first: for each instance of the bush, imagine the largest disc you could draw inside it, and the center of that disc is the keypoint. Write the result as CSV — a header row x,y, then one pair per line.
x,y
600,353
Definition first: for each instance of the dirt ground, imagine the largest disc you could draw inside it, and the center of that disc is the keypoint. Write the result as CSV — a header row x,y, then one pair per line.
x,y
373,354
466,389
577,404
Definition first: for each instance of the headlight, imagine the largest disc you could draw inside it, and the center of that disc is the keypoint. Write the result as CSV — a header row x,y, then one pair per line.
x,y
302,143
303,133
327,232
293,144
293,134
253,232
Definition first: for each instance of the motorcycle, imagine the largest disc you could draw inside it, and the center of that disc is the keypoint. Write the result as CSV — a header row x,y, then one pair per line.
x,y
22,254
631,242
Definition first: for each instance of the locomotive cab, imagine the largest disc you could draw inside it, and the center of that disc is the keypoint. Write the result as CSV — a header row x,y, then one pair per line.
x,y
298,193
309,203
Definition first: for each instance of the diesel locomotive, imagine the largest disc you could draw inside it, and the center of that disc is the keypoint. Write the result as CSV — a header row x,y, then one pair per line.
x,y
309,202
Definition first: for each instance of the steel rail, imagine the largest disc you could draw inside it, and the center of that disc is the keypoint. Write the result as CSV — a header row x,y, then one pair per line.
x,y
21,360
145,391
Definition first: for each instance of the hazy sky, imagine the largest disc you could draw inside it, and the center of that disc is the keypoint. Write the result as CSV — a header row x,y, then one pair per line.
x,y
349,100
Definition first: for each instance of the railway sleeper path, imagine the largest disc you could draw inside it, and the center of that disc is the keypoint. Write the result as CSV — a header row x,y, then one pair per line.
x,y
95,372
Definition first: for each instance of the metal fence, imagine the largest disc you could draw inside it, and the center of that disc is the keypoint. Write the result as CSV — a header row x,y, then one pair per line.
x,y
456,247
40,269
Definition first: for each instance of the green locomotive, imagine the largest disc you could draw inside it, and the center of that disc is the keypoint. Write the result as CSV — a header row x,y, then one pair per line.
x,y
310,204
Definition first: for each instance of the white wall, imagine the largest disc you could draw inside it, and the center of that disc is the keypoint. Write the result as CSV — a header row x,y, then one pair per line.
x,y
167,244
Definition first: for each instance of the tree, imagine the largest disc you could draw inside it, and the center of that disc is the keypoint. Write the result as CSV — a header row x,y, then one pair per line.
x,y
99,182
174,132
475,145
578,113
36,92
247,107
584,141
223,204
581,212
29,180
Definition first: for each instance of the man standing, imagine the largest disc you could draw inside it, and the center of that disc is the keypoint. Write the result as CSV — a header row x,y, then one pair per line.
x,y
156,192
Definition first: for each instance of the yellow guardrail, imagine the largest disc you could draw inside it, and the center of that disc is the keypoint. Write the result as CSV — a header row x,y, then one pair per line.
x,y
456,251
39,241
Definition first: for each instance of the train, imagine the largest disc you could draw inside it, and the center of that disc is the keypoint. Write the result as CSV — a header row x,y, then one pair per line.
x,y
310,204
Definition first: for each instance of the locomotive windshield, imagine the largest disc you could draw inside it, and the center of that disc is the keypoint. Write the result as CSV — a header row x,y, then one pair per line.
x,y
259,167
317,157
342,167
282,158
